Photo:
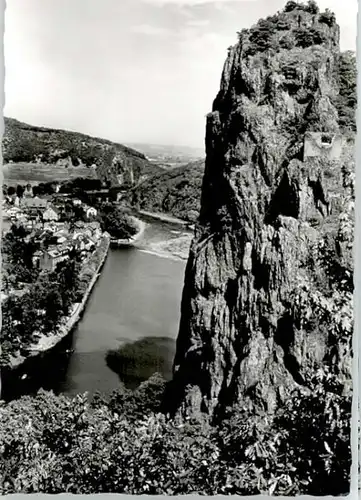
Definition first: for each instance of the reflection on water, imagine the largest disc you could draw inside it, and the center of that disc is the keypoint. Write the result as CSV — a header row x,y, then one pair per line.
x,y
137,361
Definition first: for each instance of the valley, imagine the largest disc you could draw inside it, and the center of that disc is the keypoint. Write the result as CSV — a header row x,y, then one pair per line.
x,y
179,321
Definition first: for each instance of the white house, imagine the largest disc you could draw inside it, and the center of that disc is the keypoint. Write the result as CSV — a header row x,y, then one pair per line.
x,y
13,211
91,212
28,191
51,214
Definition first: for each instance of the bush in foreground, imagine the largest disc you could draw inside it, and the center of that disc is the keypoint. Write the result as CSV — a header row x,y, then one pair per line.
x,y
121,444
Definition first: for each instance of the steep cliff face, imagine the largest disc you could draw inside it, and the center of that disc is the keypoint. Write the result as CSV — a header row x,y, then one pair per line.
x,y
260,299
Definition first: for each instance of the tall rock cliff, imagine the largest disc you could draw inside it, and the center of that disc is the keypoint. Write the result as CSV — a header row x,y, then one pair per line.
x,y
267,300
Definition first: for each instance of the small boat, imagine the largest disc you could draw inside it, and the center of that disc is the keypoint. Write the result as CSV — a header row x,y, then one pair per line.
x,y
23,377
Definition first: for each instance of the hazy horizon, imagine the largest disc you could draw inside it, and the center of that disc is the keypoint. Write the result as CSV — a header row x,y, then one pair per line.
x,y
132,71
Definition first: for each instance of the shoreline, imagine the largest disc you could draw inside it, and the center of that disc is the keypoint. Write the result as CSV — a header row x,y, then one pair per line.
x,y
162,255
48,342
163,218
171,248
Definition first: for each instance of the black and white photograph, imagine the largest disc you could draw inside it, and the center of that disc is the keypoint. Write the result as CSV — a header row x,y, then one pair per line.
x,y
177,247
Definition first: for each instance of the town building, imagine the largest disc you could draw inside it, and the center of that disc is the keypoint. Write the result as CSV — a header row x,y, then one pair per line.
x,y
90,212
51,214
95,230
83,243
34,205
28,191
48,259
12,212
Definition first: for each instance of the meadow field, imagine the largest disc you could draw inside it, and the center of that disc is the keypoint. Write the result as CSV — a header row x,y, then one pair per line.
x,y
34,173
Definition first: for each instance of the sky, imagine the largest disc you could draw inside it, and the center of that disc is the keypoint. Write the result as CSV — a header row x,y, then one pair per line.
x,y
129,70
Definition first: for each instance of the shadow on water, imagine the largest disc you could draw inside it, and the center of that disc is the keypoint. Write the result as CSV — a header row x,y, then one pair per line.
x,y
47,371
135,362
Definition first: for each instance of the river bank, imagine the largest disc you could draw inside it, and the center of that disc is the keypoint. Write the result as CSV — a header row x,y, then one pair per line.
x,y
176,248
48,342
179,235
163,218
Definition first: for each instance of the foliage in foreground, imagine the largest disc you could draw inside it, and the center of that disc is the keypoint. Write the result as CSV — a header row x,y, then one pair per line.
x,y
122,444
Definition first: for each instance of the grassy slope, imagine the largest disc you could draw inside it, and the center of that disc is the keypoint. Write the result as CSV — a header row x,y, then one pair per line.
x,y
23,144
176,191
23,173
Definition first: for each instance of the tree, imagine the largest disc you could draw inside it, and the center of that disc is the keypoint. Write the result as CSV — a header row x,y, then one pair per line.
x,y
116,222
309,37
328,18
20,190
290,6
19,251
312,7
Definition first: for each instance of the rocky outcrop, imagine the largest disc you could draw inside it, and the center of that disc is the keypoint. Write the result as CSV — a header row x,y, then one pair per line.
x,y
259,297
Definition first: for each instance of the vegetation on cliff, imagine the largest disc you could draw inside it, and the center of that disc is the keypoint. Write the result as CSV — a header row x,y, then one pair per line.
x,y
346,101
18,247
176,191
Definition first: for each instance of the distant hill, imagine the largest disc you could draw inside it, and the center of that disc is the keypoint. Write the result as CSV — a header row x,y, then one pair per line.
x,y
176,191
169,155
25,145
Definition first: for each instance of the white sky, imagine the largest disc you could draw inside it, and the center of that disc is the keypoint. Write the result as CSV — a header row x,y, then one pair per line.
x,y
129,70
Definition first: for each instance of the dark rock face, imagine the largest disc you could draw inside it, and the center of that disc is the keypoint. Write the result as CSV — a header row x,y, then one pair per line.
x,y
266,208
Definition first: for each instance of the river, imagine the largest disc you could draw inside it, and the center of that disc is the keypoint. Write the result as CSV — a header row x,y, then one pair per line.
x,y
137,297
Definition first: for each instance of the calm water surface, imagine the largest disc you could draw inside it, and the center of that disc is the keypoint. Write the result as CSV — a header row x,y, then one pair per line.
x,y
138,295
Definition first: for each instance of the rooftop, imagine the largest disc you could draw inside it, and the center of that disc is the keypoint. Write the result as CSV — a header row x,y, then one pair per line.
x,y
34,203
